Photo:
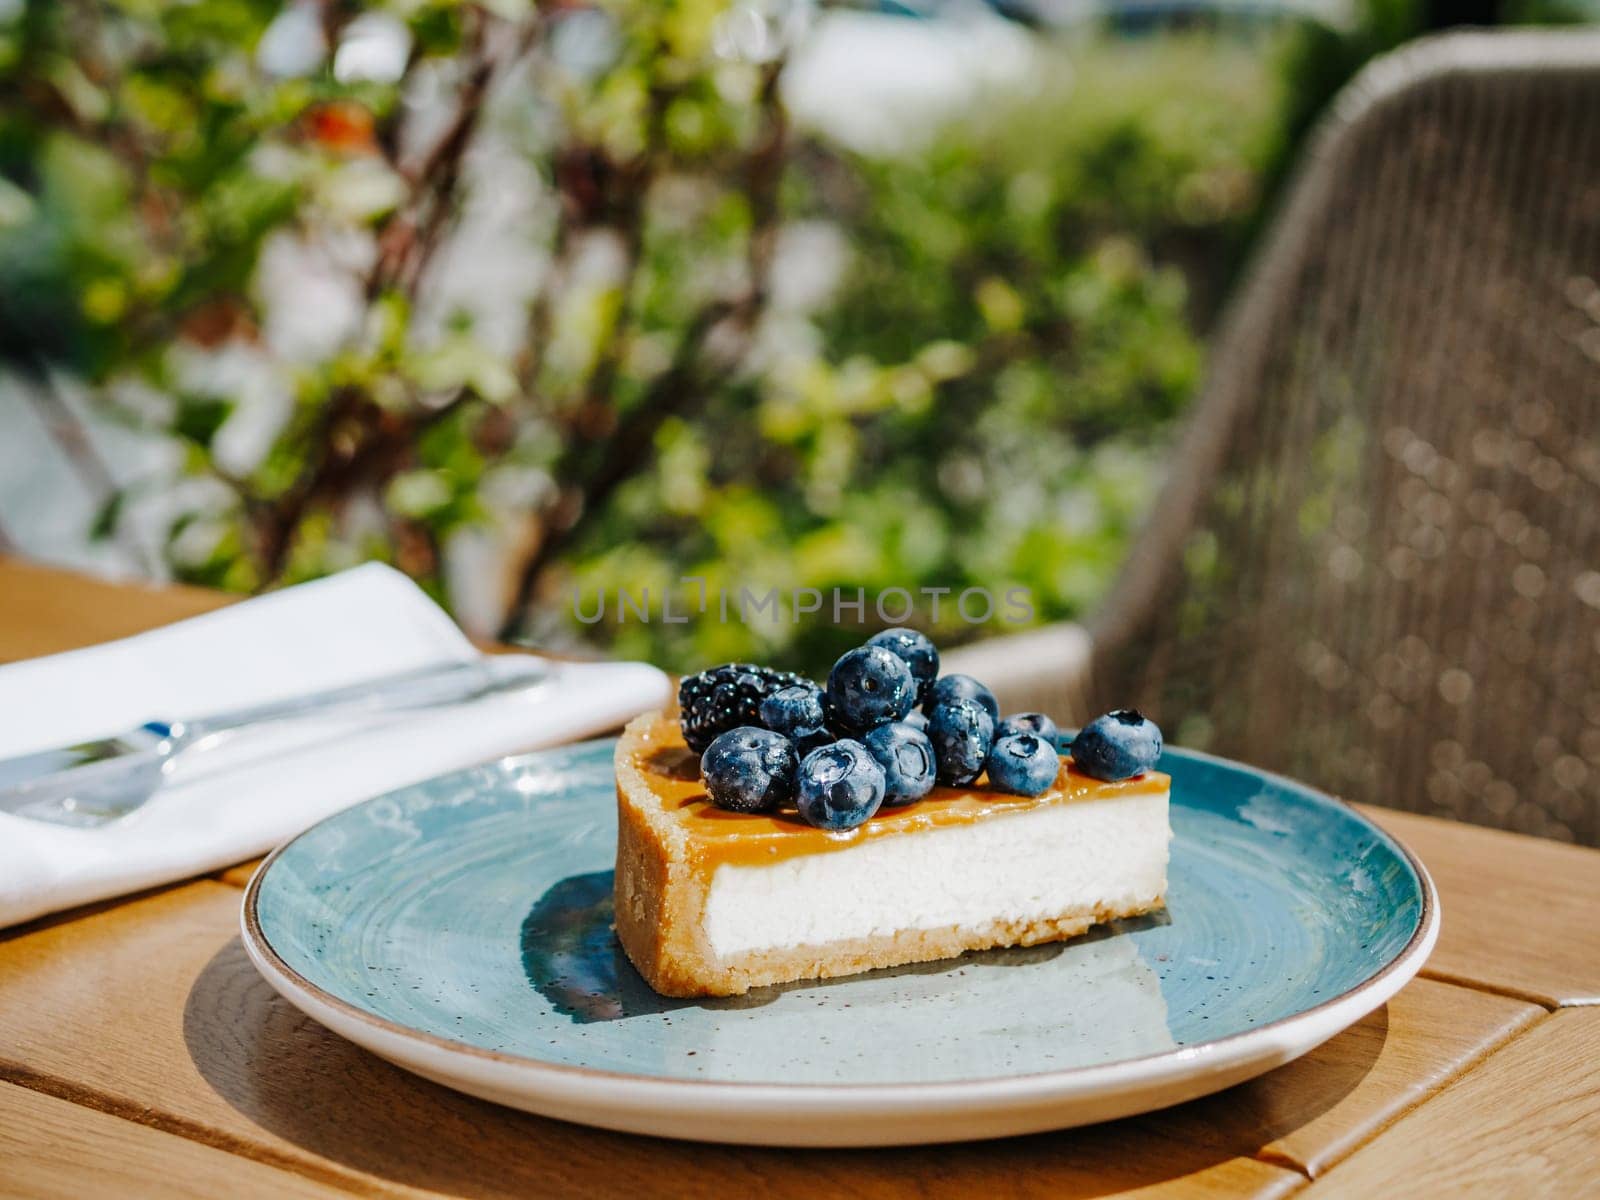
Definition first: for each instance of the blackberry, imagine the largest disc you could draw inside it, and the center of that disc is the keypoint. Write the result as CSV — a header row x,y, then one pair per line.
x,y
725,698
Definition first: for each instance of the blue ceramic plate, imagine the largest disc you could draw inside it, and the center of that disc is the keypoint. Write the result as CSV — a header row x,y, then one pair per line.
x,y
461,928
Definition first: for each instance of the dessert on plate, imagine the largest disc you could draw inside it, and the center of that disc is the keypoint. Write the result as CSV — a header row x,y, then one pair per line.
x,y
772,830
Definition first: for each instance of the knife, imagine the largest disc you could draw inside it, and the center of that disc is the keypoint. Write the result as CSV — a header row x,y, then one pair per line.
x,y
97,781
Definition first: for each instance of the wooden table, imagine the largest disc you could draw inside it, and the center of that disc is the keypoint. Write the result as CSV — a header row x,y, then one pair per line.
x,y
141,1054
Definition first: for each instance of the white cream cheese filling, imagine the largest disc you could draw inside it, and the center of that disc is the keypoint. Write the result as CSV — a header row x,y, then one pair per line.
x,y
1034,865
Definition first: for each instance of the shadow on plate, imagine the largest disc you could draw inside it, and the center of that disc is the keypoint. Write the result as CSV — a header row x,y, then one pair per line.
x,y
571,955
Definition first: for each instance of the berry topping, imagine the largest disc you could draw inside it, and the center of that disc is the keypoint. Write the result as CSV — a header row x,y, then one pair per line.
x,y
833,721
794,708
771,738
960,687
918,652
750,770
841,786
1024,763
796,712
1119,745
868,686
1035,723
961,732
906,756
725,698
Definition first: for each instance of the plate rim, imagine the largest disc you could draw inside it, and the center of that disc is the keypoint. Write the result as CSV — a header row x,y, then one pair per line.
x,y
1147,1069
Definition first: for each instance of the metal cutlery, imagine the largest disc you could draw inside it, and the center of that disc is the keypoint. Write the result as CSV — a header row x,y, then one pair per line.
x,y
95,782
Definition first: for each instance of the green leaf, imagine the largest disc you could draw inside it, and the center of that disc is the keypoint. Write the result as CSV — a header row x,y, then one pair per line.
x,y
199,417
108,516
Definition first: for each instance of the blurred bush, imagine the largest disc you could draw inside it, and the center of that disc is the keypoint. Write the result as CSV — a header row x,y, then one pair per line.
x,y
546,302
981,400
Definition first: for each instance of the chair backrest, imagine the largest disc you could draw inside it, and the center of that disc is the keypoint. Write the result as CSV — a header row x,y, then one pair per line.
x,y
1377,564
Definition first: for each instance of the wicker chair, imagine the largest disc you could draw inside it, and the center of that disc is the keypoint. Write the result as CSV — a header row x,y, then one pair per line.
x,y
1376,564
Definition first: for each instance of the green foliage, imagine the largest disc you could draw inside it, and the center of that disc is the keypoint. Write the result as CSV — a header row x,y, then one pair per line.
x,y
142,199
979,397
983,401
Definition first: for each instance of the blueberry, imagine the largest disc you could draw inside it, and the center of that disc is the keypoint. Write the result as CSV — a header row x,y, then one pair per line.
x,y
834,721
807,740
917,719
919,654
749,769
796,712
906,756
841,786
791,708
961,732
1024,763
1035,723
868,686
1118,745
961,687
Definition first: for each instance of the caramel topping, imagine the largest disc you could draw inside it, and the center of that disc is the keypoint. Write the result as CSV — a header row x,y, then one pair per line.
x,y
718,836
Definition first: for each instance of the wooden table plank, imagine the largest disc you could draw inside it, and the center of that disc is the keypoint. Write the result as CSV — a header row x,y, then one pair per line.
x,y
174,1028
1314,1112
1383,1066
53,1148
44,610
239,875
187,1036
1518,912
1525,1123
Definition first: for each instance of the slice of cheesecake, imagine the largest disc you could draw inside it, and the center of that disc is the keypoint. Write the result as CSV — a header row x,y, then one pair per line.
x,y
714,903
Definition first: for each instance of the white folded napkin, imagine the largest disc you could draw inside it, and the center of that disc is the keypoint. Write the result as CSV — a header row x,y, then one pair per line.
x,y
239,801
